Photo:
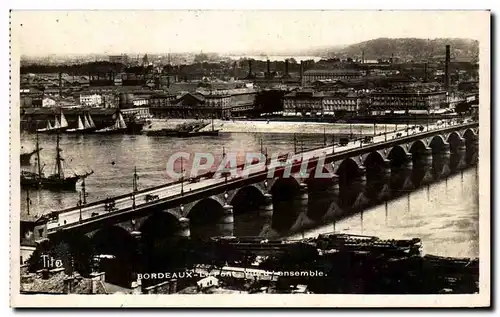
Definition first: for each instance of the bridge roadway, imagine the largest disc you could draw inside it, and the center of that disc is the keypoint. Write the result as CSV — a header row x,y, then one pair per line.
x,y
76,216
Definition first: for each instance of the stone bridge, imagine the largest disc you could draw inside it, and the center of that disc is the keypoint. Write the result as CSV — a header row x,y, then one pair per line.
x,y
120,232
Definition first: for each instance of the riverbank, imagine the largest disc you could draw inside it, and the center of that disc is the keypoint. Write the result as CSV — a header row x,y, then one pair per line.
x,y
244,126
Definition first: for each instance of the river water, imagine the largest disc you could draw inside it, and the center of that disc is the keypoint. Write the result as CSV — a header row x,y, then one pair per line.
x,y
443,214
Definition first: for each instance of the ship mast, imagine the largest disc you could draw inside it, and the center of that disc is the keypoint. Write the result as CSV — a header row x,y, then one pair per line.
x,y
59,159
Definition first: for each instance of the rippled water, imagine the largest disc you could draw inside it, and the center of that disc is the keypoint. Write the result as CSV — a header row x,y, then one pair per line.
x,y
113,158
444,215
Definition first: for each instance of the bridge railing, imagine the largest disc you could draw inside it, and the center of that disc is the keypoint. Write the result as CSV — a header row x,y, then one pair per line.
x,y
210,174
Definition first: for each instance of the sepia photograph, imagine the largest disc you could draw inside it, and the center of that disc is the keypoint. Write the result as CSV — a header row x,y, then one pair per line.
x,y
250,154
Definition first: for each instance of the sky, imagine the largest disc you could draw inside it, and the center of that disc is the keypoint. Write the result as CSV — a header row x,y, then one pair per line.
x,y
39,33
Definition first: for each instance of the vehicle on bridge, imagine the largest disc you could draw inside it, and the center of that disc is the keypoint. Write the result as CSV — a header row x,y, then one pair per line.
x,y
150,197
368,139
343,141
195,179
110,205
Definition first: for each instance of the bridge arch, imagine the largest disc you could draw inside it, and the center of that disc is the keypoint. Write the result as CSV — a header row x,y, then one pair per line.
x,y
159,224
204,216
247,198
398,156
284,188
470,138
455,141
374,163
159,237
471,149
348,170
418,150
120,250
438,144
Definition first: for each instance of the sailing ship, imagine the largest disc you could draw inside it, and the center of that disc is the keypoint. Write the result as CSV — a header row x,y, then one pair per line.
x,y
118,127
85,126
57,181
59,126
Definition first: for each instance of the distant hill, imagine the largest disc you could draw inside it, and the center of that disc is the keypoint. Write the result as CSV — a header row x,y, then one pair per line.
x,y
411,49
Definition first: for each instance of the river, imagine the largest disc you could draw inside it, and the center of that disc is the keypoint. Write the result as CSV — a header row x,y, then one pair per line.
x,y
444,215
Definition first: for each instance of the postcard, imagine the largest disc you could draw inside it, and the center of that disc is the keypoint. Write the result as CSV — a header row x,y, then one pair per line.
x,y
250,158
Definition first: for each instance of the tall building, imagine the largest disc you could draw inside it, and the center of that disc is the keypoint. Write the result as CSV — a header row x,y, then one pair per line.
x,y
407,102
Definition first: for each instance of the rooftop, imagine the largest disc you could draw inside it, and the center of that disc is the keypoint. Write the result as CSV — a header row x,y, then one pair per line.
x,y
332,72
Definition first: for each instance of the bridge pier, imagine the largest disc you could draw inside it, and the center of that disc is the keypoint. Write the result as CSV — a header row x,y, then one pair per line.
x,y
408,164
475,149
184,228
461,153
386,169
361,176
334,189
138,267
267,208
225,225
303,196
426,158
445,153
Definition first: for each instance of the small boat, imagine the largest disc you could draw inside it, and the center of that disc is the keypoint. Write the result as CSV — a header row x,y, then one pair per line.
x,y
118,127
59,126
56,181
162,132
184,134
83,127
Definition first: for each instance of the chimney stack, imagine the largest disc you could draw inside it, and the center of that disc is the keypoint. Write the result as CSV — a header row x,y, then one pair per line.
x,y
268,68
425,72
362,57
286,68
447,68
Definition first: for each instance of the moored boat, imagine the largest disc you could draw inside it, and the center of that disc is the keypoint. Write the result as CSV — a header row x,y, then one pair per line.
x,y
198,132
59,126
85,126
57,181
119,127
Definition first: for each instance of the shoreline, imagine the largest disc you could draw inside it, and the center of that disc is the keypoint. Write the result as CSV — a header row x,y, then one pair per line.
x,y
250,126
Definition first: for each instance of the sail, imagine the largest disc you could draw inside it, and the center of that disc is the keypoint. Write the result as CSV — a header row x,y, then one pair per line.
x,y
86,123
91,122
80,124
121,122
64,123
49,125
56,124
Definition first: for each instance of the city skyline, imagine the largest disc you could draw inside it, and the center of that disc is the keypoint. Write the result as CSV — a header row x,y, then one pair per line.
x,y
129,32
